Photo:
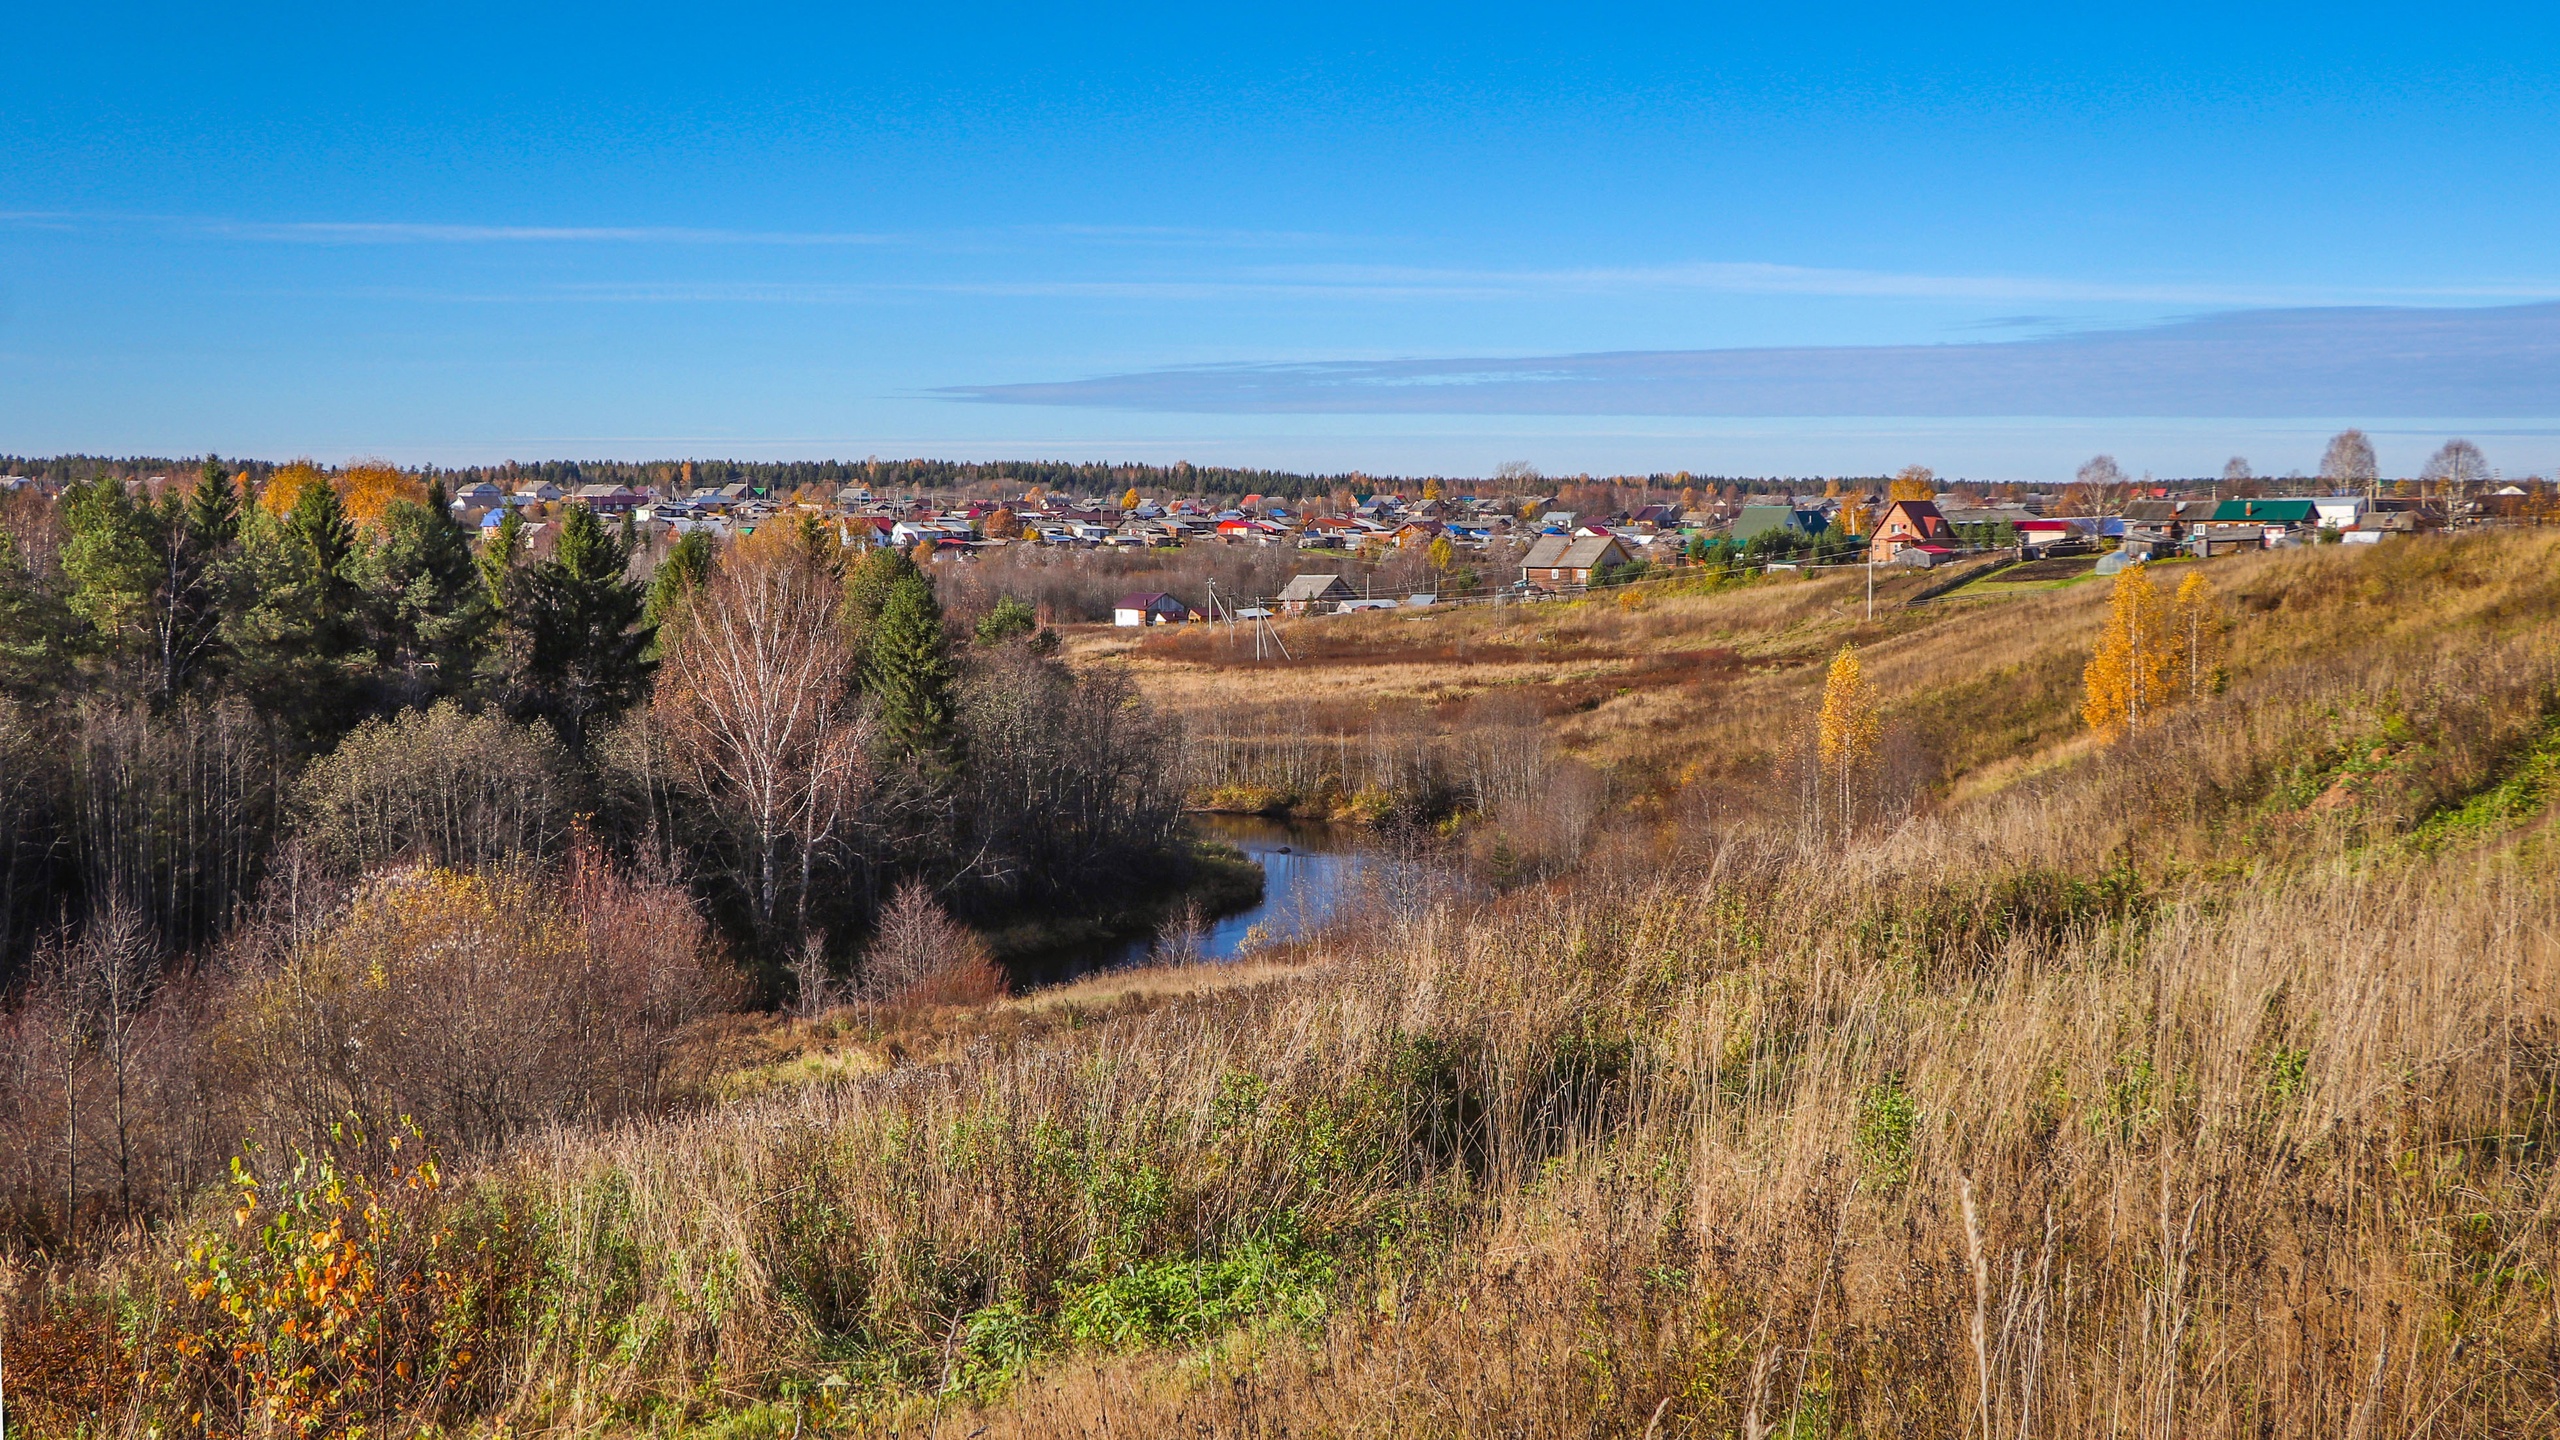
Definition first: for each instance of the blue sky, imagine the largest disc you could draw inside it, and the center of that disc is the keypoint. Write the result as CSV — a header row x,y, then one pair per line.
x,y
472,233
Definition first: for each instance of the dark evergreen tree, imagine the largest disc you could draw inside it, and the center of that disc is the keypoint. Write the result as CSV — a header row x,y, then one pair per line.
x,y
213,507
576,648
427,601
907,665
681,575
35,628
867,587
501,555
304,641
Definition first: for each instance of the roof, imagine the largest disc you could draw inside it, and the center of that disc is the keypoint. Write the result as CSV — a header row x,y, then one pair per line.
x,y
1759,519
1145,601
1589,554
2273,512
1314,587
1545,551
1921,510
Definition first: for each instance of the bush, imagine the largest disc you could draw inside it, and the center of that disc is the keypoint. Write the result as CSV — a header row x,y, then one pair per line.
x,y
441,785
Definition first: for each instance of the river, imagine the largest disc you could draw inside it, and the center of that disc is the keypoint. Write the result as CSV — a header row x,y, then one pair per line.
x,y
1307,868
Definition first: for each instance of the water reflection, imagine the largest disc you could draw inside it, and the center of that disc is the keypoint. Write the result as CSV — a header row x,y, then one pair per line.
x,y
1308,868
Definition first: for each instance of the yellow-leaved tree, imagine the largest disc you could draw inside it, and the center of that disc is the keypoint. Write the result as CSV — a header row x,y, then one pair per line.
x,y
286,484
2196,618
1430,489
1915,482
1846,736
1443,555
369,486
1129,501
2134,675
1853,516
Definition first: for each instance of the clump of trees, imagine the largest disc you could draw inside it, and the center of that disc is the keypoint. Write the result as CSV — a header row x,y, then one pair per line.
x,y
2154,651
314,804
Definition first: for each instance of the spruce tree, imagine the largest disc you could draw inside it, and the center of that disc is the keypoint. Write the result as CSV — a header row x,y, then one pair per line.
x,y
213,507
577,649
681,575
907,665
499,557
427,601
33,628
867,587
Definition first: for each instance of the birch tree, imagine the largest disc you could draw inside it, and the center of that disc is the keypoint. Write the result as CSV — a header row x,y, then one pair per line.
x,y
757,703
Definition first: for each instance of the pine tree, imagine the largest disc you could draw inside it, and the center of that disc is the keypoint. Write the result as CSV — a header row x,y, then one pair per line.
x,y
1005,620
576,648
907,665
33,628
2134,674
111,557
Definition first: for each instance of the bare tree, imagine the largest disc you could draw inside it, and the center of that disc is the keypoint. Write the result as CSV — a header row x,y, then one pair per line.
x,y
2456,466
2236,474
921,955
760,716
2349,462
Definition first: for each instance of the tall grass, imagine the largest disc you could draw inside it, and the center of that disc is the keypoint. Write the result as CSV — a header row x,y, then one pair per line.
x,y
2166,1091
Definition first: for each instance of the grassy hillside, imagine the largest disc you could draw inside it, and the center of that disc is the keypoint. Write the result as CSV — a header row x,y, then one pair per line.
x,y
2199,1084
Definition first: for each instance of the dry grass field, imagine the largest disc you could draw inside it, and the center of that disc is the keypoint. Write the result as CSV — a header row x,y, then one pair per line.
x,y
2200,1084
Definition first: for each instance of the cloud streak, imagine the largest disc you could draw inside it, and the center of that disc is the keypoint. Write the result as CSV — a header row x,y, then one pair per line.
x,y
2305,362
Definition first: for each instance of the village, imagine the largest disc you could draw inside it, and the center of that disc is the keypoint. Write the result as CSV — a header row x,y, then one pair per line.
x,y
1493,548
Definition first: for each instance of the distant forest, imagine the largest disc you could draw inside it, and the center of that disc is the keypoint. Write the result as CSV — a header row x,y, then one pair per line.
x,y
781,477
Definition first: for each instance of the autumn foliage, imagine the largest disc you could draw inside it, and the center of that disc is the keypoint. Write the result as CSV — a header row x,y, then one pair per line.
x,y
1847,733
2154,651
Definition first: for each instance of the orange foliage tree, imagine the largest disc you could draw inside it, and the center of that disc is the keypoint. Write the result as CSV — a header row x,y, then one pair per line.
x,y
2135,674
1914,482
285,486
1847,733
1853,516
367,488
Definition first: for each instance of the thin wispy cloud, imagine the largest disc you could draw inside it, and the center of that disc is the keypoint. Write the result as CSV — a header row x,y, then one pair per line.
x,y
2481,361
386,232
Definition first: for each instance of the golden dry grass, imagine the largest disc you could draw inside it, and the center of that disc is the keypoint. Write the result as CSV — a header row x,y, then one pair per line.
x,y
2123,1091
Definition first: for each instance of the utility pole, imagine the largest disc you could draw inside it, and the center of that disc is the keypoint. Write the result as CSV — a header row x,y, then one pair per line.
x,y
1871,585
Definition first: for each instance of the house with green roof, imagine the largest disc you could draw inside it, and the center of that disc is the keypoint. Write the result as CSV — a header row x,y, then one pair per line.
x,y
2267,512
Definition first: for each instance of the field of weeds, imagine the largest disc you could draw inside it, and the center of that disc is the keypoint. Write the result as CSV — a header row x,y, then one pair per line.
x,y
2202,1084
